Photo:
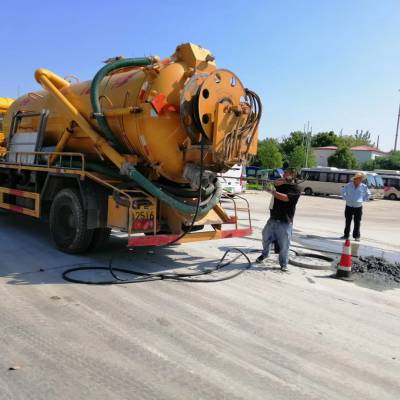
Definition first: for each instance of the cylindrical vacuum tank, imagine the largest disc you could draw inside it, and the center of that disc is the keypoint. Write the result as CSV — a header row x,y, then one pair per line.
x,y
160,113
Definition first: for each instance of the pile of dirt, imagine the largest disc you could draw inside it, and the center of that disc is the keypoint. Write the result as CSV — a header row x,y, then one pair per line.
x,y
377,268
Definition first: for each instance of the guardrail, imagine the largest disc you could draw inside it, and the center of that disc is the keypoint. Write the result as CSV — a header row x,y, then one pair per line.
x,y
49,159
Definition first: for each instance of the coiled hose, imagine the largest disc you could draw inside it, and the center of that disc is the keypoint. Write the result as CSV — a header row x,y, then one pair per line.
x,y
140,276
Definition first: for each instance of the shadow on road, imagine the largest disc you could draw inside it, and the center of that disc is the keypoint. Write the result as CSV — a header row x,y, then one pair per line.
x,y
39,262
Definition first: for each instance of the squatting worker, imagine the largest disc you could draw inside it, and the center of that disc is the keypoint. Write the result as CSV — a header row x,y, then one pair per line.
x,y
355,193
279,226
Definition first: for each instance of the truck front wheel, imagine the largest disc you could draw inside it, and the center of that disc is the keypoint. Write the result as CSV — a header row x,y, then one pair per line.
x,y
68,227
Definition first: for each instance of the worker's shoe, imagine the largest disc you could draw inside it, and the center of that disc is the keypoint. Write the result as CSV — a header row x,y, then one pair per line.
x,y
260,259
284,268
357,239
344,237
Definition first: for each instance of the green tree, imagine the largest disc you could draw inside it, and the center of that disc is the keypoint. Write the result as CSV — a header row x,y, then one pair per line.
x,y
360,138
391,161
368,165
289,143
311,160
363,138
268,154
323,139
297,158
342,158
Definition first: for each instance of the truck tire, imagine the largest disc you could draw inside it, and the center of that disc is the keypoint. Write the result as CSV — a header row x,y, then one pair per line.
x,y
68,227
100,236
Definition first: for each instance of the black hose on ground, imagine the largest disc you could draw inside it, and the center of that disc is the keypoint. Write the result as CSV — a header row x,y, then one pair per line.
x,y
300,264
142,277
150,277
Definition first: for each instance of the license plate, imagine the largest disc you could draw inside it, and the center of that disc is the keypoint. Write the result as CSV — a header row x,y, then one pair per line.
x,y
144,212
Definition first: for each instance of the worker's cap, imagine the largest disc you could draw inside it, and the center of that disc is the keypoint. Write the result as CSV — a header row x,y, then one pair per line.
x,y
358,175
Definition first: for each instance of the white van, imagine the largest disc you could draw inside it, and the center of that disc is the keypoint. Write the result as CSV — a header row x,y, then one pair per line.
x,y
234,180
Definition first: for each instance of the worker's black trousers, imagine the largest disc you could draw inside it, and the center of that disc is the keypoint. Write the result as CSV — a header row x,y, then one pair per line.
x,y
349,213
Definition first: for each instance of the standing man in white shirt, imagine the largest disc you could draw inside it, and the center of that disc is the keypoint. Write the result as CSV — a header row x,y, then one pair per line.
x,y
355,193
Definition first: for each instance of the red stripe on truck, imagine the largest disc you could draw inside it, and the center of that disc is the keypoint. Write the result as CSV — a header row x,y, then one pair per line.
x,y
161,240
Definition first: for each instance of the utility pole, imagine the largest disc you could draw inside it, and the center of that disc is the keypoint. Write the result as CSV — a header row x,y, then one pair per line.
x,y
305,142
308,143
308,146
397,130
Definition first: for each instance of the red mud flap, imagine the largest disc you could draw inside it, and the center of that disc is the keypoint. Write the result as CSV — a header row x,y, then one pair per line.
x,y
161,240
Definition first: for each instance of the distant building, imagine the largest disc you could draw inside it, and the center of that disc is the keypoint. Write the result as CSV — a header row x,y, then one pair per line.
x,y
361,153
366,153
323,153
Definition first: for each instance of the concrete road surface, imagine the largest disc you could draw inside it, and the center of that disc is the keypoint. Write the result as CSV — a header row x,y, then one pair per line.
x,y
263,335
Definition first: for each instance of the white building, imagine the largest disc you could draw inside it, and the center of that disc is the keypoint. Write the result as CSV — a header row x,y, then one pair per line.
x,y
323,153
361,153
366,153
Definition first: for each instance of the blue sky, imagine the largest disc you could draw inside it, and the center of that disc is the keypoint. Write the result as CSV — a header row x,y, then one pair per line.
x,y
334,63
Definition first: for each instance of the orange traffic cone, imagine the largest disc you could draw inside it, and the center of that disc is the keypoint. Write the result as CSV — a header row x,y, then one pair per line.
x,y
344,267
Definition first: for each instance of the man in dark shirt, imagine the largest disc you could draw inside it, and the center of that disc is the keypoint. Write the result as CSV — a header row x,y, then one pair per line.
x,y
279,226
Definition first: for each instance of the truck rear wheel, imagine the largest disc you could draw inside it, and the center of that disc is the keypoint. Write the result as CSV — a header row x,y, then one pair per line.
x,y
68,223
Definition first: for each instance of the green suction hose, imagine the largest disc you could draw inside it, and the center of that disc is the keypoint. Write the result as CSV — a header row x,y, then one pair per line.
x,y
142,181
184,208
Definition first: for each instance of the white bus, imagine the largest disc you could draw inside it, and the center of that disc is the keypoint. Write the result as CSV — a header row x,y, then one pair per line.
x,y
330,180
390,172
391,182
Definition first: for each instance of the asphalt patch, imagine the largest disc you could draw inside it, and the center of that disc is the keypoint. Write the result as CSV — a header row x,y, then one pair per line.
x,y
376,273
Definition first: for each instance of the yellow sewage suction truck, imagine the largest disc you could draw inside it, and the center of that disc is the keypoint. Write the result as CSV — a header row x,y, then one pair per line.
x,y
136,149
